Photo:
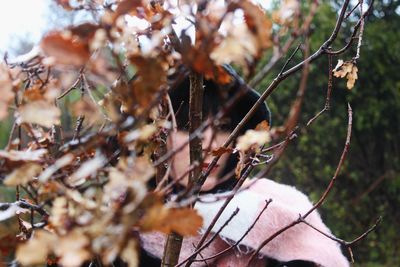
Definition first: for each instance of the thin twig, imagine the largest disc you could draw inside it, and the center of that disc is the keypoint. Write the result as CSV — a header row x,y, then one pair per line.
x,y
198,250
320,201
219,254
328,91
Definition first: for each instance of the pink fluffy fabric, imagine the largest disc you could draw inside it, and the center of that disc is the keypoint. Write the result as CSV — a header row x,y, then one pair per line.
x,y
300,242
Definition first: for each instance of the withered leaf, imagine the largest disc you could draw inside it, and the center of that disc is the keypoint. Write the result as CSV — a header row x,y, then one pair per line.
x,y
65,4
72,249
240,46
130,254
126,6
22,175
258,23
221,150
151,76
88,168
36,249
184,221
285,14
6,93
39,112
252,138
263,126
346,69
65,49
60,163
88,109
28,155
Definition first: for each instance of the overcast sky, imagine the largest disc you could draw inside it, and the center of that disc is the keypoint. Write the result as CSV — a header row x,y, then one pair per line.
x,y
20,19
27,20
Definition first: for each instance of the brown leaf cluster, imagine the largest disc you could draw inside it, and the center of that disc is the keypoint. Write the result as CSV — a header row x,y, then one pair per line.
x,y
87,120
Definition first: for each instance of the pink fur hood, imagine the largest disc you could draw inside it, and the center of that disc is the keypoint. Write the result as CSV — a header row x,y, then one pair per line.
x,y
300,242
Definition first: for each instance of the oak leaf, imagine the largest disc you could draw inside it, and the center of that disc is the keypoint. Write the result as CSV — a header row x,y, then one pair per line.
x,y
72,249
346,69
65,49
130,254
184,221
252,139
27,155
36,249
23,174
6,93
39,112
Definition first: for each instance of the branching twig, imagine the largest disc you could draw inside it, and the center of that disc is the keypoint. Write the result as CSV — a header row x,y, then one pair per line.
x,y
328,92
198,250
320,201
219,254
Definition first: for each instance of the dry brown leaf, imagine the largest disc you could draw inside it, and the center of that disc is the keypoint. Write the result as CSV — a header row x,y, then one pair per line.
x,y
126,6
60,163
65,49
184,221
23,174
142,134
6,93
72,249
59,212
88,109
151,76
221,150
346,69
27,155
258,23
252,139
65,4
285,14
352,77
239,46
263,126
130,254
39,112
36,249
87,168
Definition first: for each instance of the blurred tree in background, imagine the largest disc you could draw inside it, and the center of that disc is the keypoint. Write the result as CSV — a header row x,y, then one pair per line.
x,y
369,186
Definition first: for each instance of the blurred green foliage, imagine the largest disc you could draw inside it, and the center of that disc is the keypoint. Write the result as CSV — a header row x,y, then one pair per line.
x,y
369,183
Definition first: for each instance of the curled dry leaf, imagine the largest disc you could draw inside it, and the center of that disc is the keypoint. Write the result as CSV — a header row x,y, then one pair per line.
x,y
285,14
252,139
88,168
221,150
39,112
130,254
87,108
184,221
258,23
72,249
240,46
59,212
23,174
65,48
141,134
346,69
6,93
28,155
263,126
36,249
60,163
